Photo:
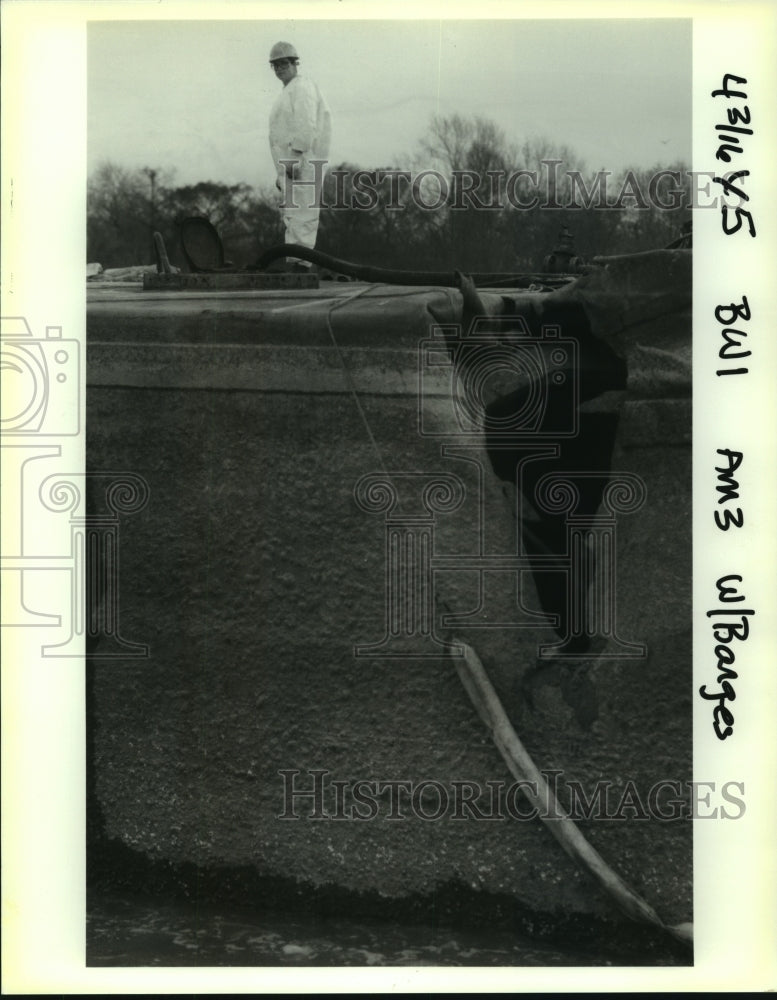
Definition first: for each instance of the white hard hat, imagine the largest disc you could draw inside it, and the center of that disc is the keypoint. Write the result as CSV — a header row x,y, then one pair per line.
x,y
283,50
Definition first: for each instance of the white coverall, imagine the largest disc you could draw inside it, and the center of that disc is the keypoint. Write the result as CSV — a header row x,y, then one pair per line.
x,y
300,130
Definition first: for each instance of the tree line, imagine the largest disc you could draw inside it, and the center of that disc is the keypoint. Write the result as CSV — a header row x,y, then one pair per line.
x,y
469,199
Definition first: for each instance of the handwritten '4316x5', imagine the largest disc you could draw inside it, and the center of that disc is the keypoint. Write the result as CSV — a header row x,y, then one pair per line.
x,y
730,142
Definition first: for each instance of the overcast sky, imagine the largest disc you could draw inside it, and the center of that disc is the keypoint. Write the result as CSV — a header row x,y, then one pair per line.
x,y
194,96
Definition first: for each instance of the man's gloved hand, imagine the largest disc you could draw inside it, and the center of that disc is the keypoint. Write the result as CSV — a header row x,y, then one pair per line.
x,y
293,169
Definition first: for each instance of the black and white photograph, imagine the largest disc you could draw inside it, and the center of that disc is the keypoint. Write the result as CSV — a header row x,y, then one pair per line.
x,y
387,537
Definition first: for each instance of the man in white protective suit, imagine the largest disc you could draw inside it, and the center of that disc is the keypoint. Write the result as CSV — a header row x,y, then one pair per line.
x,y
300,132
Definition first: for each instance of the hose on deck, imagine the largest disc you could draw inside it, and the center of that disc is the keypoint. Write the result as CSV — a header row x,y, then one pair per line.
x,y
395,276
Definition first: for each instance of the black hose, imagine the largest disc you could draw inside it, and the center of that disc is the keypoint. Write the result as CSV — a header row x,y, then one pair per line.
x,y
393,276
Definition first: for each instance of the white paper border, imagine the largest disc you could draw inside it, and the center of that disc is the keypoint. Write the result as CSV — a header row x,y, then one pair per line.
x,y
43,188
